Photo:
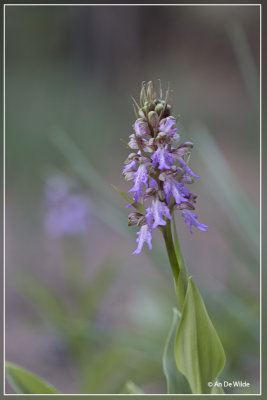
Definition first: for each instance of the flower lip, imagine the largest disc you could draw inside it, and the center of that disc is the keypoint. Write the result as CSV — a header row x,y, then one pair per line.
x,y
191,219
144,236
156,212
162,157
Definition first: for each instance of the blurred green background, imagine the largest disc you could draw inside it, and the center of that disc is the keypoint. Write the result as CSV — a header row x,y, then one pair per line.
x,y
82,312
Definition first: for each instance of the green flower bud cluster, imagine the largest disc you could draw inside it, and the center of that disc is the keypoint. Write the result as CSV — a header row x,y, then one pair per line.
x,y
152,106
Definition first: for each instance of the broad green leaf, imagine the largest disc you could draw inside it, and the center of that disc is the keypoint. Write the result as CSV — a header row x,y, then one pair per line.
x,y
131,388
24,382
199,353
139,207
176,382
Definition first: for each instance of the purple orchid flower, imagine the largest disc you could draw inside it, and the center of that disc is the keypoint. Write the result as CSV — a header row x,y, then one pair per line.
x,y
144,235
176,189
132,165
168,126
157,167
141,129
156,211
140,179
68,214
162,157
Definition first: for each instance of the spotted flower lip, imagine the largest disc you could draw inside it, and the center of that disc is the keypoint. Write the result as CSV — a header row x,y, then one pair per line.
x,y
158,168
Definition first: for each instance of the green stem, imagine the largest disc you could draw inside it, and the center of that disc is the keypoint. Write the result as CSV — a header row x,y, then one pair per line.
x,y
178,265
167,234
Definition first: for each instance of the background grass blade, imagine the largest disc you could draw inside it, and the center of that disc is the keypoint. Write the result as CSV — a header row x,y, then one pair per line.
x,y
131,388
24,382
225,188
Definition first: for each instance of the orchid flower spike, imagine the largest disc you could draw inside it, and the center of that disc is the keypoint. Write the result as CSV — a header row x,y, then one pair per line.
x,y
158,167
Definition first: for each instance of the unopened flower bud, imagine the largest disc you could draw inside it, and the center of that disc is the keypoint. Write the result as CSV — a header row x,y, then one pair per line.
x,y
180,152
149,192
141,113
188,145
150,91
128,175
143,97
187,179
132,157
159,107
167,111
133,218
192,197
141,221
184,206
153,118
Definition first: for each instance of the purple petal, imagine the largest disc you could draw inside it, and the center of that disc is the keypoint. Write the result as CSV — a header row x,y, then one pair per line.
x,y
162,157
187,169
130,165
144,235
141,128
174,188
191,219
155,212
168,126
140,179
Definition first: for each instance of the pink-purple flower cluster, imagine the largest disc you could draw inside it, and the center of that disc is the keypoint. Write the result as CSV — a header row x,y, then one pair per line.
x,y
158,167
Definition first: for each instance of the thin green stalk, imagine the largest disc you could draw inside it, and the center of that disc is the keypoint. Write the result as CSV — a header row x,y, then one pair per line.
x,y
177,262
167,234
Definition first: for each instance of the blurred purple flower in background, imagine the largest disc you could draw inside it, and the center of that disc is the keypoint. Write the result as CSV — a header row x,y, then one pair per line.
x,y
68,213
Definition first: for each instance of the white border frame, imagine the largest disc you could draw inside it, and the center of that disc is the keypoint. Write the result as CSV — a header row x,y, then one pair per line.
x,y
4,133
